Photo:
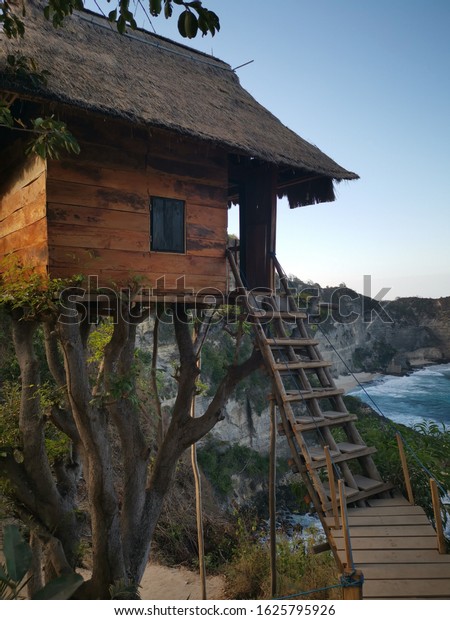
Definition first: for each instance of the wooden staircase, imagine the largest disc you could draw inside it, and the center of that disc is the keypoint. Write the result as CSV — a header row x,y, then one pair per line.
x,y
324,442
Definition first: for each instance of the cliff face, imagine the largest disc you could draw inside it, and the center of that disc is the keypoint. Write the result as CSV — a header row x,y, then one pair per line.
x,y
355,333
391,337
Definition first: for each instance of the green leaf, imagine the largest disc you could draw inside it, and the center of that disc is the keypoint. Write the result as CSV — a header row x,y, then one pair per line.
x,y
112,15
121,25
17,553
60,589
155,7
181,24
167,9
190,25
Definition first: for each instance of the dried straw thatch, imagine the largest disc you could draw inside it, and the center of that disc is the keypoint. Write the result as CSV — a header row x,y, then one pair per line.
x,y
152,81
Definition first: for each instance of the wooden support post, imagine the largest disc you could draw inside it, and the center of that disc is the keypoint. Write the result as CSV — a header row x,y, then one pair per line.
x,y
332,484
348,548
442,546
352,591
404,462
272,500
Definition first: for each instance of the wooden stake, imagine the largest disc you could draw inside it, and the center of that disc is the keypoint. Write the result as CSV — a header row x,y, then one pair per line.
x,y
442,546
404,462
198,507
332,484
348,548
353,592
272,501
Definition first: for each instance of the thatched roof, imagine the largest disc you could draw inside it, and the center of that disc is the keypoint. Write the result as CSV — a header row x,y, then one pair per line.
x,y
153,81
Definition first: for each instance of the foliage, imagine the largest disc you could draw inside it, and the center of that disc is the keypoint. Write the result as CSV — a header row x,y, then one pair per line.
x,y
375,357
176,537
52,136
194,16
98,339
427,444
218,354
221,462
23,287
18,558
298,569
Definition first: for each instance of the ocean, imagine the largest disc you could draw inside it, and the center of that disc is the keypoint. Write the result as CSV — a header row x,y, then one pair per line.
x,y
421,395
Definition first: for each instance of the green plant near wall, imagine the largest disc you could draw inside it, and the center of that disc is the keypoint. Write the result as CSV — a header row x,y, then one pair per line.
x,y
13,573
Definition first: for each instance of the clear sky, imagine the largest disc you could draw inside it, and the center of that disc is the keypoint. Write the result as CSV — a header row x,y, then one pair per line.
x,y
368,82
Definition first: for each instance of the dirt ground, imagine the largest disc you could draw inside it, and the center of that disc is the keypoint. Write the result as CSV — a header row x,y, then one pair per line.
x,y
163,583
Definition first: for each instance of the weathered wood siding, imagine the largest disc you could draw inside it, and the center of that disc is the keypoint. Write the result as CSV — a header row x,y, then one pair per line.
x,y
99,207
23,224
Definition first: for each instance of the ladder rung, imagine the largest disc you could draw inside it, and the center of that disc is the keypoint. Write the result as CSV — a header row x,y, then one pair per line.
x,y
274,314
345,446
310,426
334,415
297,365
317,453
296,343
299,395
346,456
384,486
366,484
350,492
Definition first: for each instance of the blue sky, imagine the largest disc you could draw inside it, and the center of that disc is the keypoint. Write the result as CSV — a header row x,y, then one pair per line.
x,y
368,83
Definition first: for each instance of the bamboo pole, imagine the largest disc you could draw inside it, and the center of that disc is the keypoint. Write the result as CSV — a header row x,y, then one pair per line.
x,y
272,501
442,546
199,512
405,468
332,484
198,505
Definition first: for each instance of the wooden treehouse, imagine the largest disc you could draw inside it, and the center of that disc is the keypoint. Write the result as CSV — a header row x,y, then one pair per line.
x,y
169,140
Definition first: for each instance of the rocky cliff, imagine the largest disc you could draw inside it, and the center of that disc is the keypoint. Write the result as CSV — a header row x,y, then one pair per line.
x,y
358,333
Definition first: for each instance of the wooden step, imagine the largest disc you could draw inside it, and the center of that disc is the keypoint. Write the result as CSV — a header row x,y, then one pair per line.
x,y
334,415
349,491
389,520
386,511
372,520
295,343
366,484
288,366
364,451
406,588
292,396
276,314
345,446
399,500
317,453
364,495
310,426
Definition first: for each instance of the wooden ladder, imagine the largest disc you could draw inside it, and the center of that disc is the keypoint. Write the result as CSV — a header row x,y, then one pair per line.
x,y
311,408
381,535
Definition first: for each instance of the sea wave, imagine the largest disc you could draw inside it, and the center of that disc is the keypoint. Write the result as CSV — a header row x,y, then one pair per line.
x,y
410,399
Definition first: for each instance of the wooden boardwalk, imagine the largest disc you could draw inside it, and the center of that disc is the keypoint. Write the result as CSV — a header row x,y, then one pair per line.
x,y
395,547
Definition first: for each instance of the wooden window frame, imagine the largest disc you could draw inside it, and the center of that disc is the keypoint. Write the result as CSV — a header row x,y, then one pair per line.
x,y
165,200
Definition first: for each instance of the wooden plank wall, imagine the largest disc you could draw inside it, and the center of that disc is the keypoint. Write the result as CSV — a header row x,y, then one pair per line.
x,y
23,225
98,207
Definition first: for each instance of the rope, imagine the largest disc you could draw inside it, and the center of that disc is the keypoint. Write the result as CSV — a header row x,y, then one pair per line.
x,y
386,420
346,582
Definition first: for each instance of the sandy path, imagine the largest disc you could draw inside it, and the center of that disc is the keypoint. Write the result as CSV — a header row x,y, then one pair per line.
x,y
169,584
